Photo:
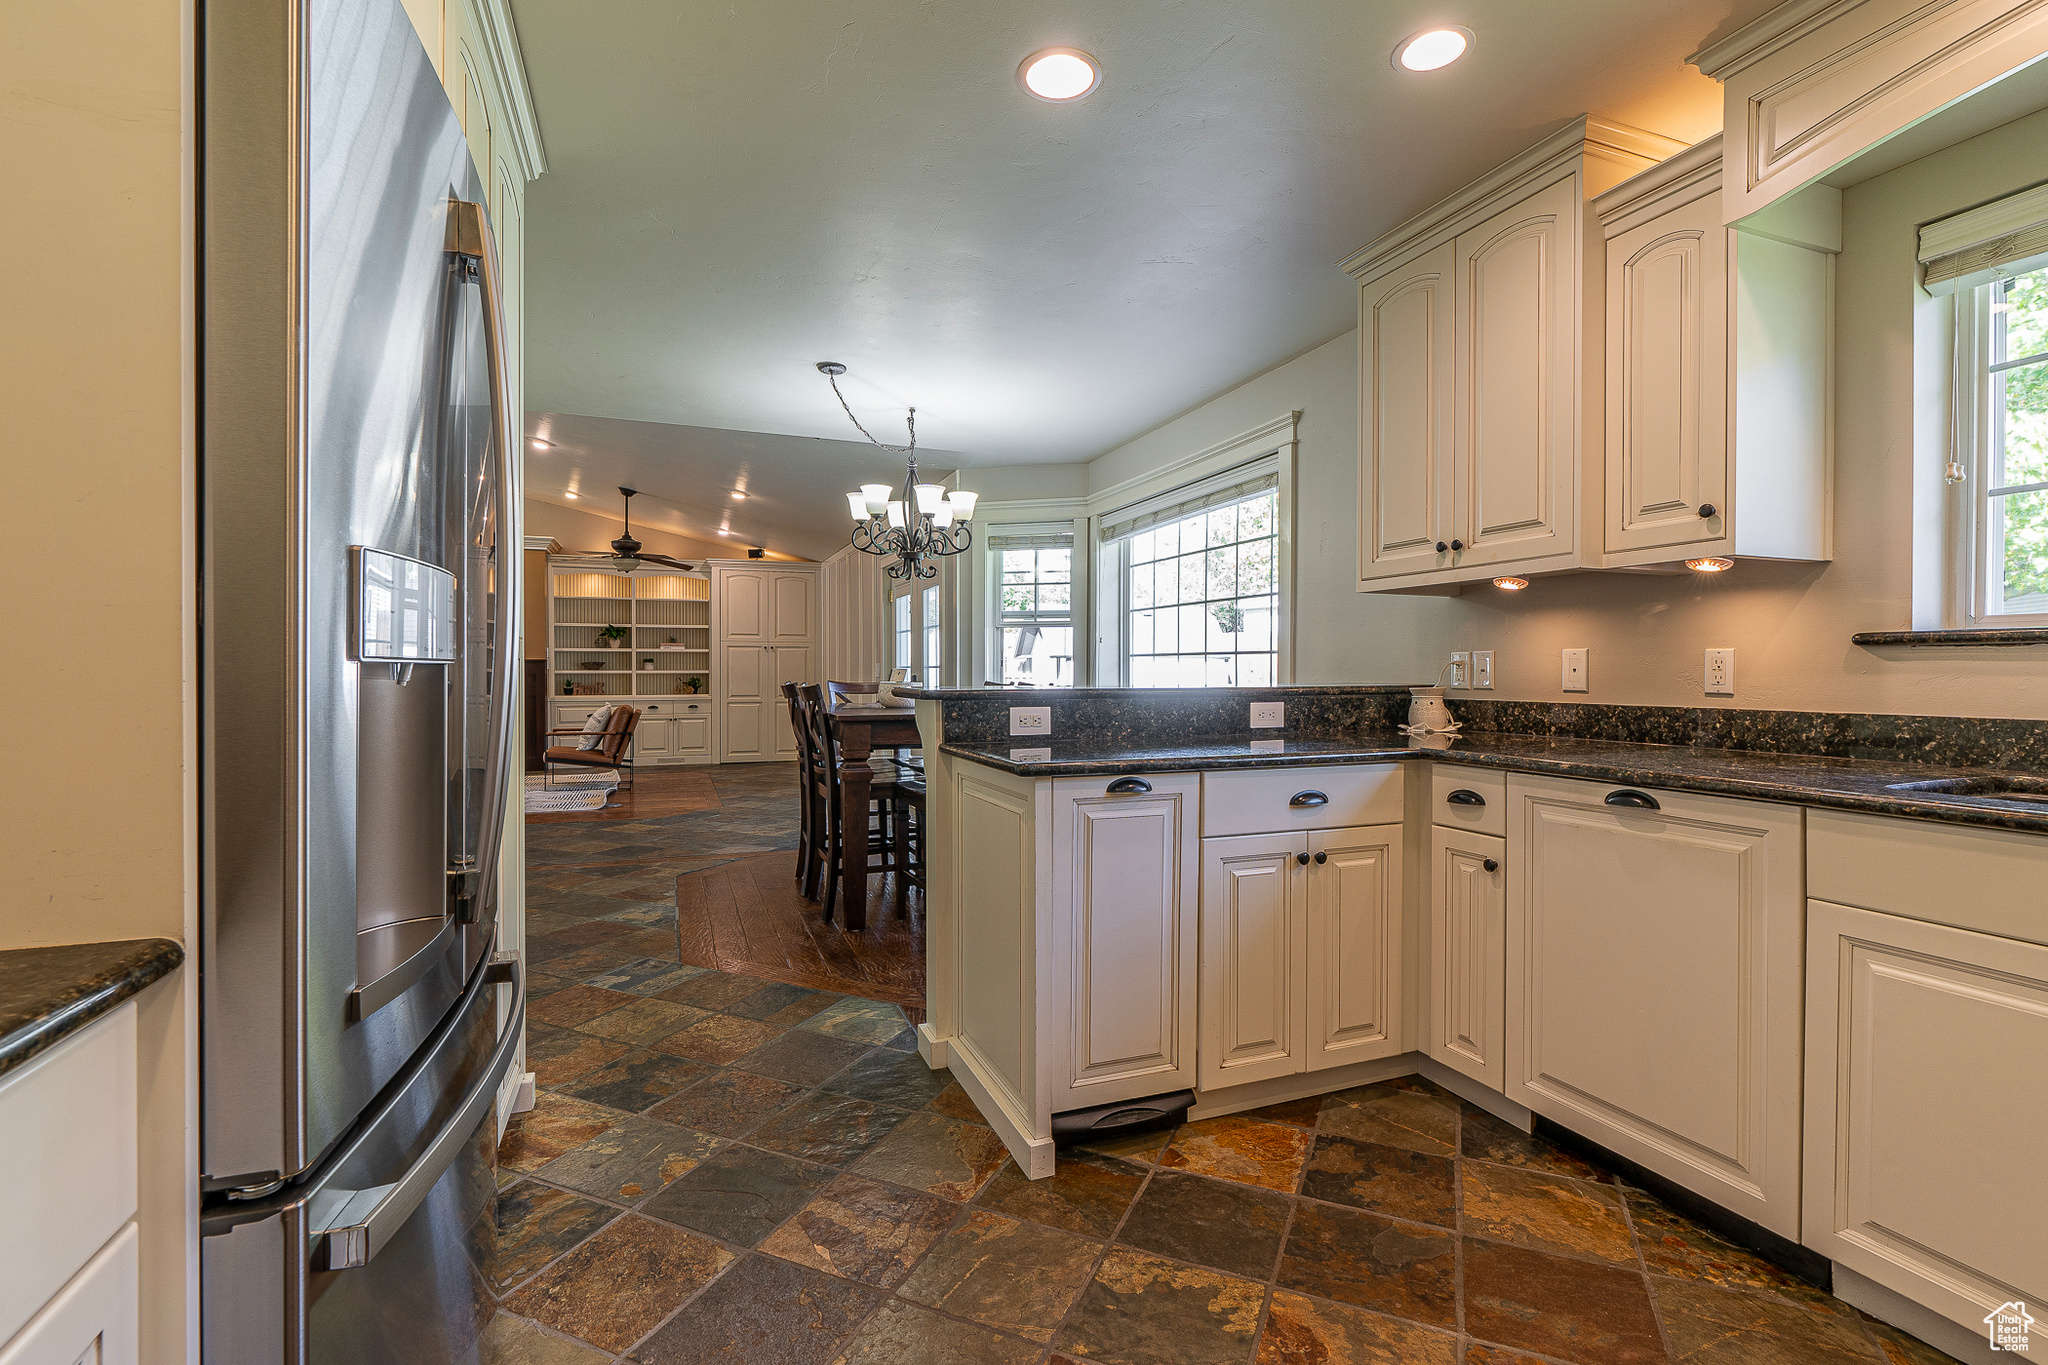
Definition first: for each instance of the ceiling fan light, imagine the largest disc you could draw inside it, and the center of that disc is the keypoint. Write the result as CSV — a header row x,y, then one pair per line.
x,y
857,504
877,497
963,504
929,496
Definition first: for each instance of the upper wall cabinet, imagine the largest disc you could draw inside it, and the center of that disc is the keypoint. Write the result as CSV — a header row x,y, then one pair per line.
x,y
1476,412
1811,85
1718,433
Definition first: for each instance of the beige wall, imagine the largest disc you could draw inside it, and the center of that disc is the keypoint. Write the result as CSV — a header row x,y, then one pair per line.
x,y
593,532
97,518
1790,624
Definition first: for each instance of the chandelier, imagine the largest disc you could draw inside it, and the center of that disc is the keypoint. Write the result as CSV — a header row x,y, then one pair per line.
x,y
919,528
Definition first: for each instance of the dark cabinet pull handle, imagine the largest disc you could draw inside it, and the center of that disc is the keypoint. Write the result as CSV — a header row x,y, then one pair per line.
x,y
1465,796
1457,545
1634,800
1441,547
1322,856
1706,509
1491,865
1301,858
1129,786
1309,798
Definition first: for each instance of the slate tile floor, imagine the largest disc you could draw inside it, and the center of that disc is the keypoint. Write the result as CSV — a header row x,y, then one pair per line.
x,y
766,1174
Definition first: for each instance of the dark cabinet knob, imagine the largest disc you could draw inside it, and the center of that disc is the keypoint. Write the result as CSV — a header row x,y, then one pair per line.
x,y
1491,865
1301,858
1457,545
1633,799
1129,786
1464,796
1706,509
1321,856
1441,547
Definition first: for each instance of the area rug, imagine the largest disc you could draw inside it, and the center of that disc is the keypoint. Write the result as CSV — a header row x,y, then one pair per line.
x,y
568,792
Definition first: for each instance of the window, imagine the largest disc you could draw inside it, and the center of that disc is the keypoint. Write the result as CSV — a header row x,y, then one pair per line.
x,y
1037,607
934,639
2008,481
1201,585
901,607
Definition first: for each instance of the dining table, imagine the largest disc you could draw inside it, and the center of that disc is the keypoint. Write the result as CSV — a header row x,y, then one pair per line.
x,y
858,729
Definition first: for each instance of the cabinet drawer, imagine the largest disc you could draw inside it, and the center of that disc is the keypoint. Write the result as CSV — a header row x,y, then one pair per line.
x,y
1264,802
67,1125
1987,880
1488,817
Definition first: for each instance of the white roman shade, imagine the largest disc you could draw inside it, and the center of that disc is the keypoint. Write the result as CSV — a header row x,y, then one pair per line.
x,y
1993,241
1056,536
1232,485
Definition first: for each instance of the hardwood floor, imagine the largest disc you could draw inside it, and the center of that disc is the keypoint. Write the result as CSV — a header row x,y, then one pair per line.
x,y
709,856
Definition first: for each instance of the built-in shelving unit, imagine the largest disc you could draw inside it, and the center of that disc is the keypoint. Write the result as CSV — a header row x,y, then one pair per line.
x,y
663,620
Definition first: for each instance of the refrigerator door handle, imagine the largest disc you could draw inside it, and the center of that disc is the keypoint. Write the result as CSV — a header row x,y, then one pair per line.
x,y
469,234
357,1224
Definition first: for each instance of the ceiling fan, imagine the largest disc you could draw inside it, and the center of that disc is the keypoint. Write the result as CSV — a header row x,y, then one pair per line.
x,y
627,555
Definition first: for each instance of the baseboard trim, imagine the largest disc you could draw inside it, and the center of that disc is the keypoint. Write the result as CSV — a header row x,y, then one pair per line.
x,y
932,1048
1034,1154
1888,1305
1475,1093
1235,1099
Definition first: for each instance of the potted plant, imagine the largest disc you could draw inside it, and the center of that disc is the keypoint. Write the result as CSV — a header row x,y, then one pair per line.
x,y
612,637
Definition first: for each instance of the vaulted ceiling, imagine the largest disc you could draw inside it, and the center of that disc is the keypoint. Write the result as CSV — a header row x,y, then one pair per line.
x,y
737,191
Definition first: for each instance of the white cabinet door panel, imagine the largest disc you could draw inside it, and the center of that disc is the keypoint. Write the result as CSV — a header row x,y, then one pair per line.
x,y
1925,1108
1667,381
743,605
1515,449
1468,953
1254,940
1353,967
792,607
1407,358
1654,983
1124,936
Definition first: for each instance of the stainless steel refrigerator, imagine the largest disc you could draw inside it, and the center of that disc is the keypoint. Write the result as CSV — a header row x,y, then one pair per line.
x,y
356,438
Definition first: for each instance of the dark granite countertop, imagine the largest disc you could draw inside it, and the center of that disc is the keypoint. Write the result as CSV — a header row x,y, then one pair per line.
x,y
48,994
1951,639
1155,694
1795,779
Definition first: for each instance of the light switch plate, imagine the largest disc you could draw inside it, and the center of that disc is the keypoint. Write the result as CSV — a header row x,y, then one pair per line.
x,y
1482,670
1720,673
1031,720
1268,715
1575,671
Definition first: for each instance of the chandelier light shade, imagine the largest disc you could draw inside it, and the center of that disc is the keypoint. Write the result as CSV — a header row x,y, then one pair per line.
x,y
921,525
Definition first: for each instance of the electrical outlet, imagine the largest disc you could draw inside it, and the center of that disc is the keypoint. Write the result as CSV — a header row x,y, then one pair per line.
x,y
1720,673
1575,671
1461,669
1269,746
1482,670
1031,720
1269,715
1031,755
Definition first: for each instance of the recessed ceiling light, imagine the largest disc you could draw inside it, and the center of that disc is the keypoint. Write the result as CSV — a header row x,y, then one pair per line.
x,y
570,496
1711,564
1511,584
539,444
1432,48
738,496
1059,74
722,531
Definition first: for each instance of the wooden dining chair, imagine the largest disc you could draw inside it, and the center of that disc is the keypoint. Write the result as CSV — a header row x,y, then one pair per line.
x,y
811,796
884,828
889,760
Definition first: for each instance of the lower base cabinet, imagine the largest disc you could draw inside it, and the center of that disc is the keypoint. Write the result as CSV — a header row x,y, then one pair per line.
x,y
1468,954
1654,946
1301,952
1926,1110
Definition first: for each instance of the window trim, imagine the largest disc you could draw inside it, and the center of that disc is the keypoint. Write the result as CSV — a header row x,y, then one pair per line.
x,y
1036,537
1970,512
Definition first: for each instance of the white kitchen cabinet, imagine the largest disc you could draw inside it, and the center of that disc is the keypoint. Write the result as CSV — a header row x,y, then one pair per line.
x,y
765,627
1925,1109
1468,954
1718,439
1301,951
1123,936
1408,355
1473,447
1654,980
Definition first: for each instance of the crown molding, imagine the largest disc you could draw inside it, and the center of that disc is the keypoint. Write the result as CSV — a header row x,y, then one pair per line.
x,y
545,544
1693,174
1511,180
1765,34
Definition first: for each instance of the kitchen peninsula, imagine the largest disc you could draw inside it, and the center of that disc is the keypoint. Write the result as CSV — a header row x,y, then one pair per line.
x,y
1677,934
